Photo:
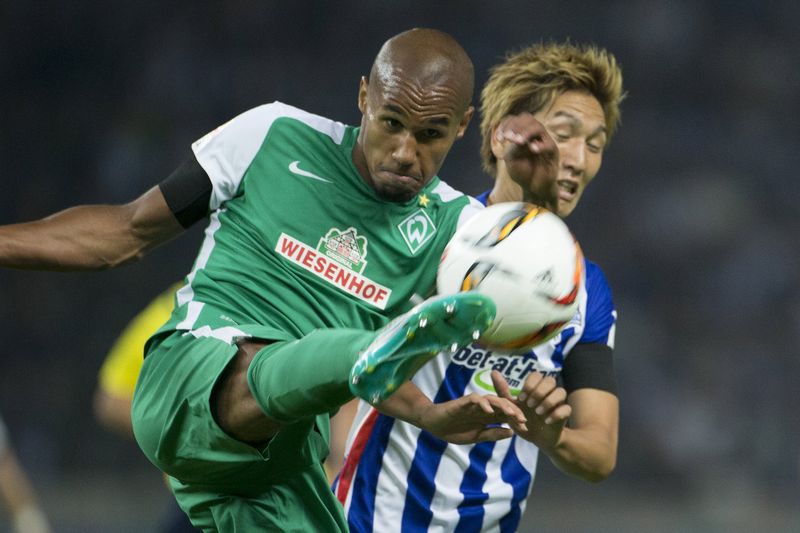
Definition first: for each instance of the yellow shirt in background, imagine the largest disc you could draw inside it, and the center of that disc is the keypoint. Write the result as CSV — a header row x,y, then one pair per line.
x,y
121,366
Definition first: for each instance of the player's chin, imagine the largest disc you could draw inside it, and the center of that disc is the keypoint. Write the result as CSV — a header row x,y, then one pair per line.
x,y
398,191
566,207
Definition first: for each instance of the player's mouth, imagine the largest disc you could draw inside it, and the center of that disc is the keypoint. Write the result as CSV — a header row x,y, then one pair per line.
x,y
408,180
567,189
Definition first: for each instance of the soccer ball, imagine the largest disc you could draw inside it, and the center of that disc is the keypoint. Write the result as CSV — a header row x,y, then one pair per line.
x,y
525,258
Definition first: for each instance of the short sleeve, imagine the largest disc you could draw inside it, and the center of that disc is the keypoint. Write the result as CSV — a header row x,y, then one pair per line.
x,y
227,152
601,317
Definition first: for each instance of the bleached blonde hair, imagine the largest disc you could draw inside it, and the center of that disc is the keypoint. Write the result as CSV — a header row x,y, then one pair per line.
x,y
531,78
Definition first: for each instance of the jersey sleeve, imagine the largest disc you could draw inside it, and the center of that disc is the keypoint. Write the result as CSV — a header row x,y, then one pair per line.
x,y
121,367
226,152
187,192
601,317
590,363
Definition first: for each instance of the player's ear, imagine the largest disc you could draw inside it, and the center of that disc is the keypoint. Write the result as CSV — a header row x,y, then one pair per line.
x,y
462,126
363,87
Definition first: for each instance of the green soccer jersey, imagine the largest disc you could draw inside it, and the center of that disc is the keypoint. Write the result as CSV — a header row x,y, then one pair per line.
x,y
297,240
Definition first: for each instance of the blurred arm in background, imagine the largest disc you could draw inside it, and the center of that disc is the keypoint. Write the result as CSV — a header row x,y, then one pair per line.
x,y
16,491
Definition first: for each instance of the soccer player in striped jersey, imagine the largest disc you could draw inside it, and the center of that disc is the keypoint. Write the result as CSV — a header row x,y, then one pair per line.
x,y
397,477
319,234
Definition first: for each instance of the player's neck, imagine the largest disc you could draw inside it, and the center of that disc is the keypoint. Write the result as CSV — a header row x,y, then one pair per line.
x,y
504,190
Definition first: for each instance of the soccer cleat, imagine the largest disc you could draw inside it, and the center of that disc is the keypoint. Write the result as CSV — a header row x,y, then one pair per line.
x,y
400,348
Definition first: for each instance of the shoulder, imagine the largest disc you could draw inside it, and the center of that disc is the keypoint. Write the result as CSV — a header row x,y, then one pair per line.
x,y
462,205
596,283
253,125
331,128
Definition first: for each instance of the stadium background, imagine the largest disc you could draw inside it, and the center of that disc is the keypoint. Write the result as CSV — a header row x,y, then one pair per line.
x,y
693,217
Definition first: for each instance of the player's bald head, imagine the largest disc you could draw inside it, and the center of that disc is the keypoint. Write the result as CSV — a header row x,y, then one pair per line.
x,y
426,58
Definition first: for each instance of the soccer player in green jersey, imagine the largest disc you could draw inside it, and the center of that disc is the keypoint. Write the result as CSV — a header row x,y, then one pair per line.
x,y
318,234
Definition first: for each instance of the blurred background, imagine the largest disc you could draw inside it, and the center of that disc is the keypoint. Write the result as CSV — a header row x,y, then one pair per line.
x,y
693,217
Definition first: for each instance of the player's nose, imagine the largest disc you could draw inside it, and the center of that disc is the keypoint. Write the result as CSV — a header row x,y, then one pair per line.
x,y
573,156
405,152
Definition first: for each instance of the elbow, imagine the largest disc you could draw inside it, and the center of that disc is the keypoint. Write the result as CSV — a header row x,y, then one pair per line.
x,y
602,471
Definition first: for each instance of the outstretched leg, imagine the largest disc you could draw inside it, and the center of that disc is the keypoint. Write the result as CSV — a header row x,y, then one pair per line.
x,y
268,385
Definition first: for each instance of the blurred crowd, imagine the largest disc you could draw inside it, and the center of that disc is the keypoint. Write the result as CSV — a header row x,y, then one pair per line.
x,y
696,222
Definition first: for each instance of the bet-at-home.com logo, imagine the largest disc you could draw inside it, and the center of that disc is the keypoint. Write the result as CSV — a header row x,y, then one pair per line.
x,y
417,229
514,368
345,247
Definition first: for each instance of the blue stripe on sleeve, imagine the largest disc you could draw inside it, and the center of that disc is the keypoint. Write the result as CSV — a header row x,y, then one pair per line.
x,y
599,306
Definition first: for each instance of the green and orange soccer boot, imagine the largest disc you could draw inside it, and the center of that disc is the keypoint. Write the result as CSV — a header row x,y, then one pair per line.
x,y
442,323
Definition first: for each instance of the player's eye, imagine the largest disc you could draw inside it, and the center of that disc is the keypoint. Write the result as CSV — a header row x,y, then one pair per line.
x,y
392,124
596,144
432,133
594,148
560,136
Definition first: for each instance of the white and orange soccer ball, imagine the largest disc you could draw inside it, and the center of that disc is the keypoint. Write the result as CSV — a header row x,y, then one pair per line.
x,y
525,258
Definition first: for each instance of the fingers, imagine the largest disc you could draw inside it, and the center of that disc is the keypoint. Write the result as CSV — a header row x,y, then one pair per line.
x,y
501,385
542,395
524,130
493,434
559,415
505,408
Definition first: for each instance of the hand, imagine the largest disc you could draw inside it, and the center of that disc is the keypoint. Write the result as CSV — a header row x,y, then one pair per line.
x,y
543,403
466,420
531,158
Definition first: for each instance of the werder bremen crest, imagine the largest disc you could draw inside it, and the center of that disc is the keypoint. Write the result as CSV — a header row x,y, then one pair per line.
x,y
345,247
417,229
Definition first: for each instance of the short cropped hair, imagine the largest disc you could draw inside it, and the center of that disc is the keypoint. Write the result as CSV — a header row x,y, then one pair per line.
x,y
530,79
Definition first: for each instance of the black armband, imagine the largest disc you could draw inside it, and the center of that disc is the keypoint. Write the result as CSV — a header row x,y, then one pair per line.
x,y
590,366
187,192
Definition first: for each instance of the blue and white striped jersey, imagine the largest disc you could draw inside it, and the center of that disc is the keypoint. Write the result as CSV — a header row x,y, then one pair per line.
x,y
398,477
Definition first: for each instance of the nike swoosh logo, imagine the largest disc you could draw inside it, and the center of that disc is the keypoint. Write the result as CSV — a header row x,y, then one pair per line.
x,y
295,169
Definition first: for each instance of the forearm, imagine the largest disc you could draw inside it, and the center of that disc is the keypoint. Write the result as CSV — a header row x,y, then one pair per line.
x,y
589,454
407,404
92,237
80,238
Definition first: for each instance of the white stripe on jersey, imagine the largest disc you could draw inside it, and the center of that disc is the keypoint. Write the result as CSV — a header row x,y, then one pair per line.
x,y
225,334
448,194
226,152
470,210
393,474
193,310
185,295
612,333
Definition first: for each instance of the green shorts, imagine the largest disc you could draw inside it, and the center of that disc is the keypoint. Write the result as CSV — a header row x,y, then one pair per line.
x,y
224,484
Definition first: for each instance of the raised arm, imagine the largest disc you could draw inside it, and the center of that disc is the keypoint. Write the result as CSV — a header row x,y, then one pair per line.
x,y
587,448
90,237
578,432
530,156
